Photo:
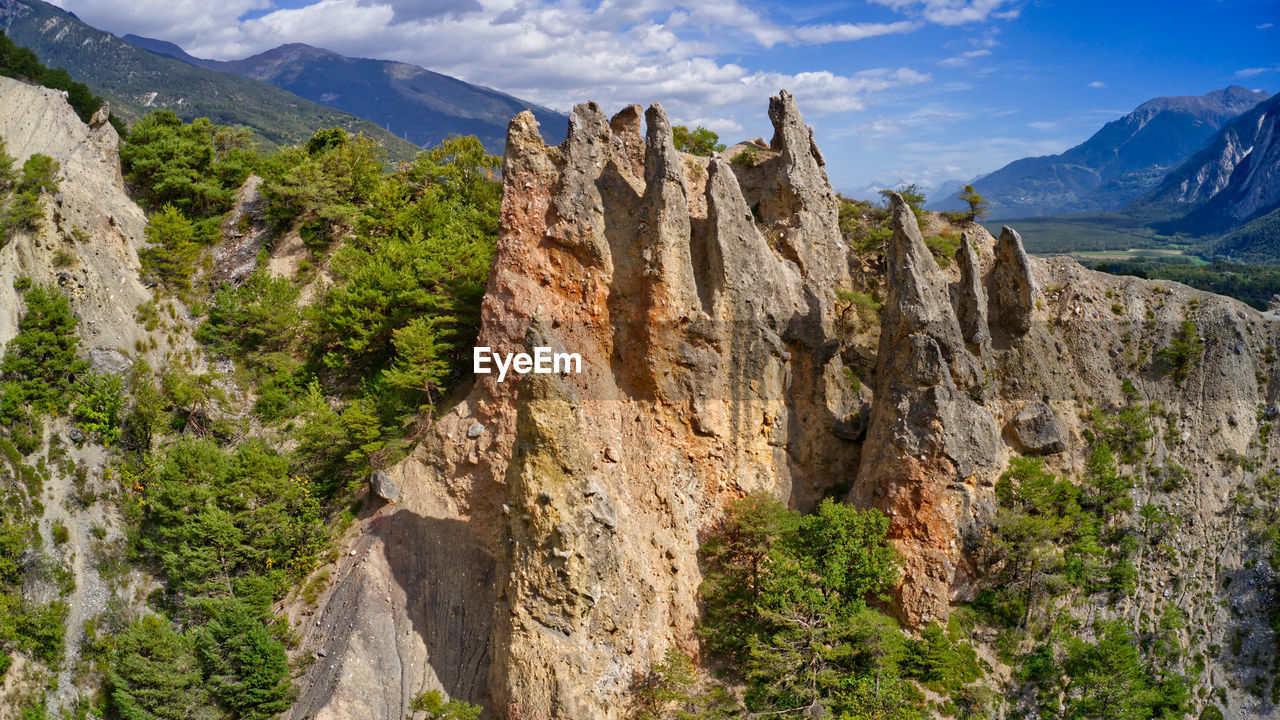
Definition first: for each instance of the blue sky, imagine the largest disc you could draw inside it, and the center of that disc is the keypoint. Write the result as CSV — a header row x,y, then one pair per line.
x,y
897,90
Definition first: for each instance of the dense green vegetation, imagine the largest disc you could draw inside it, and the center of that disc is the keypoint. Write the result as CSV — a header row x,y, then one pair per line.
x,y
417,245
39,366
36,371
1257,241
19,62
20,208
1252,284
1056,544
227,521
786,608
1079,233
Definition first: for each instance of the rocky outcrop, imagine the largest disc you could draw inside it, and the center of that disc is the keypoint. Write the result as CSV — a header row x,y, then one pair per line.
x,y
88,244
929,442
543,549
971,296
700,294
244,232
1014,283
1038,430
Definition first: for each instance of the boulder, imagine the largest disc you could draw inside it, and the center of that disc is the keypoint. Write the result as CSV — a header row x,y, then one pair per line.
x,y
383,486
1039,430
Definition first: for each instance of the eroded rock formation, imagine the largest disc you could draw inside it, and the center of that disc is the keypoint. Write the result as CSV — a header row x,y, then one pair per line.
x,y
700,294
543,550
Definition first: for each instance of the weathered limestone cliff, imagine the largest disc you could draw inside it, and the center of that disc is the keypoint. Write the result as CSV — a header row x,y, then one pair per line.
x,y
87,246
542,549
700,294
94,223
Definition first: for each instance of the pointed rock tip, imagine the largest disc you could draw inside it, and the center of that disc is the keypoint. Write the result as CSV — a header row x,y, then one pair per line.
x,y
587,117
788,125
523,128
656,117
1009,235
627,118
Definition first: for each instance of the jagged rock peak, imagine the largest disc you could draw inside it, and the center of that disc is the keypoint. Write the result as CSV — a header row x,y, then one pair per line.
x,y
1014,283
662,160
972,297
918,298
790,134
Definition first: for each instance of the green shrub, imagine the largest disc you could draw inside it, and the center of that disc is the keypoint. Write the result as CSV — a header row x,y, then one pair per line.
x,y
20,207
215,520
40,362
171,257
195,167
155,676
1184,349
698,141
747,157
243,663
41,629
913,194
786,601
99,406
437,708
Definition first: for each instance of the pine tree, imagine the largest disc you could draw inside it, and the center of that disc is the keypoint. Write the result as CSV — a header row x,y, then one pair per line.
x,y
172,255
154,675
977,204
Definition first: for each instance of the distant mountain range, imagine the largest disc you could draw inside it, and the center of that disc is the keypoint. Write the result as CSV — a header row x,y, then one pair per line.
x,y
1120,163
419,105
135,81
283,95
1233,179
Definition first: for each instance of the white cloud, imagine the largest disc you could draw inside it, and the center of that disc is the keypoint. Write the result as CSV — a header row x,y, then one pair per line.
x,y
1250,72
1097,84
1264,26
821,34
931,117
955,12
964,58
707,61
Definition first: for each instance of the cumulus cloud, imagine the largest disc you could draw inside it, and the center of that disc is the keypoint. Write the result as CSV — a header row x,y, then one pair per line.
x,y
1264,26
1097,84
710,62
553,53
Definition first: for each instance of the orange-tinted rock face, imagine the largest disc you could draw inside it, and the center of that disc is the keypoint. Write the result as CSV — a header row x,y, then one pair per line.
x,y
708,354
700,296
543,551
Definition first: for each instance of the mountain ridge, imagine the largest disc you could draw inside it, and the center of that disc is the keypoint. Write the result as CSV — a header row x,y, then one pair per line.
x,y
1232,180
418,104
135,81
1119,163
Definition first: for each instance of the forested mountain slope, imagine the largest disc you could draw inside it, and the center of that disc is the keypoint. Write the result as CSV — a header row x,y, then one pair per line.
x,y
136,81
